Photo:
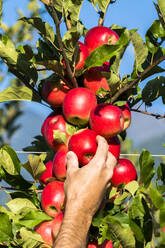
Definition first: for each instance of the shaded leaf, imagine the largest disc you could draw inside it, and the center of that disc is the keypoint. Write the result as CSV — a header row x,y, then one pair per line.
x,y
147,171
46,31
154,89
120,233
155,32
140,49
19,93
16,181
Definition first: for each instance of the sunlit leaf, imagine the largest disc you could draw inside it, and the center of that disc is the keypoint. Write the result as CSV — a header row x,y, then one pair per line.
x,y
21,93
5,228
35,165
19,203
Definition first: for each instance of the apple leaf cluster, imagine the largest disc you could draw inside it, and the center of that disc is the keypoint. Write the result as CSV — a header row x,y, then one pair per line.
x,y
132,214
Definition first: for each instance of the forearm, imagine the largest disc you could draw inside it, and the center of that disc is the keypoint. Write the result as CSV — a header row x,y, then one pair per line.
x,y
74,229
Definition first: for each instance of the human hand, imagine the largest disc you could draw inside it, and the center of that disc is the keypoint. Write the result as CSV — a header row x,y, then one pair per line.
x,y
85,187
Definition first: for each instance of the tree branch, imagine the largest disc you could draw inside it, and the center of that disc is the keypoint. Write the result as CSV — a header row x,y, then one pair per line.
x,y
14,189
136,80
157,116
68,68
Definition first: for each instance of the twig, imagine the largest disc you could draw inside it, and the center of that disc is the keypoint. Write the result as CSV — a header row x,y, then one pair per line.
x,y
14,189
136,80
157,116
68,68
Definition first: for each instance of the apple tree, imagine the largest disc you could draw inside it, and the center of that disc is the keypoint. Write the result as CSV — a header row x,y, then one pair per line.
x,y
133,213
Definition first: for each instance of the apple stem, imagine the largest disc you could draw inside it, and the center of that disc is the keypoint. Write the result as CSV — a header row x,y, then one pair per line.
x,y
137,79
57,24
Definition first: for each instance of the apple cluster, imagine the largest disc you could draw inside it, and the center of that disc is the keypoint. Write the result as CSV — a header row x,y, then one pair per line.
x,y
74,124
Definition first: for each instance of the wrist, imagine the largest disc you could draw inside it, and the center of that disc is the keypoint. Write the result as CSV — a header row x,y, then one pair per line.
x,y
75,226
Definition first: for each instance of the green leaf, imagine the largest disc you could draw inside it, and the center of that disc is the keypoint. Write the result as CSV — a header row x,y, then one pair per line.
x,y
132,187
70,129
161,4
120,233
162,216
140,219
147,171
32,217
35,165
19,203
101,54
156,198
46,31
5,228
7,51
59,136
154,89
101,4
30,239
19,93
155,32
16,181
9,160
140,49
71,37
120,198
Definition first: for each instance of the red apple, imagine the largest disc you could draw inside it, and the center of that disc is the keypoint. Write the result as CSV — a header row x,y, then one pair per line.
x,y
93,244
93,80
98,36
84,145
106,244
52,198
48,173
48,118
83,54
127,115
106,120
55,133
124,172
77,105
54,92
45,231
59,164
56,224
114,146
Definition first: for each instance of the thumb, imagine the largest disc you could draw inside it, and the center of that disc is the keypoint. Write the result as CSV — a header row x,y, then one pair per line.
x,y
72,162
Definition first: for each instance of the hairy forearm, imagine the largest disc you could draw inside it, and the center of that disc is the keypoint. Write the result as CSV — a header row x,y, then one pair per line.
x,y
74,229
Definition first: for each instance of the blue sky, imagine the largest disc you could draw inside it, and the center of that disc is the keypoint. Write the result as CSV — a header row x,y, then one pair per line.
x,y
131,14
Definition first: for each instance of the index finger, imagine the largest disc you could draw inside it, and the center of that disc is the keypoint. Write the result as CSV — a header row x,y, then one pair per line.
x,y
102,150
